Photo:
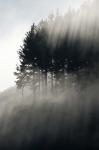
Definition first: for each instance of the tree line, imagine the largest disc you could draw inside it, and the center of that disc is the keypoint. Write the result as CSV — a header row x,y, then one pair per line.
x,y
48,57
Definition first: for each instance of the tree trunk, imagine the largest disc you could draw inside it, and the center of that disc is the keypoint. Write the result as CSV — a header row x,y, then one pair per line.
x,y
39,82
45,82
33,85
52,85
22,91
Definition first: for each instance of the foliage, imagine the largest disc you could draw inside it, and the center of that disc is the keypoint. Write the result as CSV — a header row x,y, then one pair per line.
x,y
48,56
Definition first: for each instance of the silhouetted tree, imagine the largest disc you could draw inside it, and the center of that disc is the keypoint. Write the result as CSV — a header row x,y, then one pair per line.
x,y
48,55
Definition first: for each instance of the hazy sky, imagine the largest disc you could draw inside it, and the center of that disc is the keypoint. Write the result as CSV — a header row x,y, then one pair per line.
x,y
16,16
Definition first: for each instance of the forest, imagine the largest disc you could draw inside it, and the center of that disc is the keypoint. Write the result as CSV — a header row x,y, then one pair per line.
x,y
58,48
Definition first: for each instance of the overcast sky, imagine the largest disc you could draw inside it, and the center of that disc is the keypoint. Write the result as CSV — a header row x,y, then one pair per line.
x,y
16,17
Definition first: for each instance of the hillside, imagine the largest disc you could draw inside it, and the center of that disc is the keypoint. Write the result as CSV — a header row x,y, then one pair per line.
x,y
67,121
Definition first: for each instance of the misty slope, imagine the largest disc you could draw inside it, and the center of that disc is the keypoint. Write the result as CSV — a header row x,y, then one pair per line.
x,y
66,121
8,93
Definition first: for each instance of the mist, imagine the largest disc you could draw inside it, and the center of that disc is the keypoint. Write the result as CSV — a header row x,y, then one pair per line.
x,y
64,121
47,110
82,23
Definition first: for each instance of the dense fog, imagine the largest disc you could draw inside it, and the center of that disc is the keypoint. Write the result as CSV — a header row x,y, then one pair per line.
x,y
64,121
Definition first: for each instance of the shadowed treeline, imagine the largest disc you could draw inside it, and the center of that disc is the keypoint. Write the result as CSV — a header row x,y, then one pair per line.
x,y
60,46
